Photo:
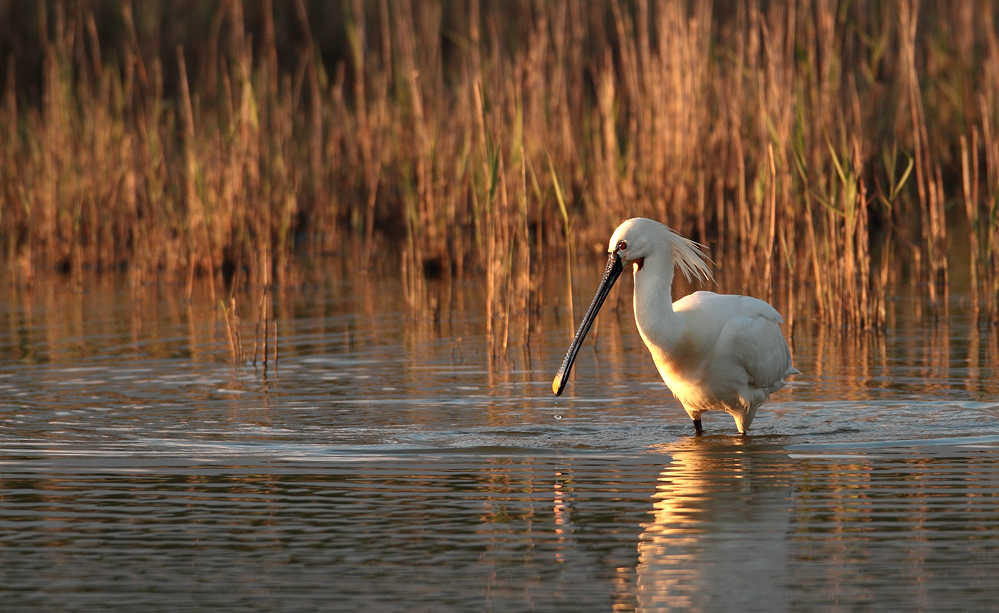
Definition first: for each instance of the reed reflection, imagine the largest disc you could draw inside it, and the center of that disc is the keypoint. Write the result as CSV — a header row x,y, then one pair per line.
x,y
562,509
893,527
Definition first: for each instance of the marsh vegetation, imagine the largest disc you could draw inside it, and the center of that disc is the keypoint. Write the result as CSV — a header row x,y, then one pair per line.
x,y
827,153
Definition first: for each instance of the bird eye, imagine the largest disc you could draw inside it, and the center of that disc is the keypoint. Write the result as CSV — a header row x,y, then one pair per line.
x,y
622,246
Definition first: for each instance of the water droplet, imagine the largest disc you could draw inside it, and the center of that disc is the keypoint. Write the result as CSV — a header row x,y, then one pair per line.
x,y
557,416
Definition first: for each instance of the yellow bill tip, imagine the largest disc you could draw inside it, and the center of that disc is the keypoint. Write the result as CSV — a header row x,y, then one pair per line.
x,y
555,385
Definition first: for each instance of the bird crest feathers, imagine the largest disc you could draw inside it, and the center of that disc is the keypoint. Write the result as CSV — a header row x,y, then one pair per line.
x,y
689,256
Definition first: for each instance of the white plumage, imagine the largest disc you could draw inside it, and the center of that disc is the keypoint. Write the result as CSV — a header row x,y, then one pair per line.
x,y
715,351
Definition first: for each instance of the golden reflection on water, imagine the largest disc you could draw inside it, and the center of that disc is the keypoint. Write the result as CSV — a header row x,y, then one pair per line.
x,y
59,321
563,519
730,515
718,523
744,523
904,523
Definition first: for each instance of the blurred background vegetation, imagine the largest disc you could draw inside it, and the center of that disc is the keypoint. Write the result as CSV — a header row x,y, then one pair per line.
x,y
826,152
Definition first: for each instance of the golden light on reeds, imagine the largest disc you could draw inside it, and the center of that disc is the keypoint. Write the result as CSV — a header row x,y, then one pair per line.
x,y
815,147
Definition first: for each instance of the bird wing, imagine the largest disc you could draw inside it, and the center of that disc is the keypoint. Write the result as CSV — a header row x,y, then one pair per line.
x,y
758,343
746,334
727,305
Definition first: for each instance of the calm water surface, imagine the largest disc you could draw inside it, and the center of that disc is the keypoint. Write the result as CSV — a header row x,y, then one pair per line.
x,y
390,465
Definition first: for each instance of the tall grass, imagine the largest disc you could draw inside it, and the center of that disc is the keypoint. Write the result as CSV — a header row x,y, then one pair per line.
x,y
818,148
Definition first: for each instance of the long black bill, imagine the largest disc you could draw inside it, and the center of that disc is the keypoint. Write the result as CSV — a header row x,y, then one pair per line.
x,y
613,271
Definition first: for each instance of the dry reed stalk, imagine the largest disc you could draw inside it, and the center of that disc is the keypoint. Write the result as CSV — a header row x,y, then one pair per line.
x,y
969,184
865,315
366,138
927,185
326,209
258,339
567,227
197,221
989,104
771,200
524,249
233,332
991,145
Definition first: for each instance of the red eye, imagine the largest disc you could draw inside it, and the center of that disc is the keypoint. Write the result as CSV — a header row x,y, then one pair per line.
x,y
622,246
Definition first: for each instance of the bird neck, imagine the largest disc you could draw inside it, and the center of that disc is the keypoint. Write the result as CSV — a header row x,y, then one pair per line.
x,y
653,299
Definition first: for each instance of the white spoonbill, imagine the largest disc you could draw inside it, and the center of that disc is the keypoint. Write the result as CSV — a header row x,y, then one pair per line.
x,y
715,351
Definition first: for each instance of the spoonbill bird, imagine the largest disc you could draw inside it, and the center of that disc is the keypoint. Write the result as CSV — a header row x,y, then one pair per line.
x,y
714,351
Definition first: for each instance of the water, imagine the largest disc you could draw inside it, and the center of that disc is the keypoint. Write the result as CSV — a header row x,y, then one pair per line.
x,y
389,465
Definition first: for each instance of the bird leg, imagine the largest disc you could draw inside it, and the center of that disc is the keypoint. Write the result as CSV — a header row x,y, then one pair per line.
x,y
698,428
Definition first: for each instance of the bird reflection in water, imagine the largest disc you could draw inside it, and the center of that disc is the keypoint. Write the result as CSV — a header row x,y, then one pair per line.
x,y
719,532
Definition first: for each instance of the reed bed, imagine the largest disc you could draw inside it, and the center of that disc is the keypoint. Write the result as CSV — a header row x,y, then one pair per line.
x,y
822,150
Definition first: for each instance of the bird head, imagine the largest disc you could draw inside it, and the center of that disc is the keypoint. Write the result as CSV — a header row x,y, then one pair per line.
x,y
633,242
639,238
